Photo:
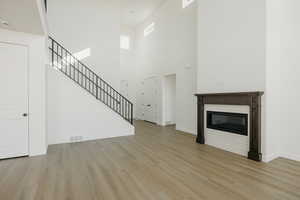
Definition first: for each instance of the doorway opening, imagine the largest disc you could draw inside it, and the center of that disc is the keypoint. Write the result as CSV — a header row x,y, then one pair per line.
x,y
169,100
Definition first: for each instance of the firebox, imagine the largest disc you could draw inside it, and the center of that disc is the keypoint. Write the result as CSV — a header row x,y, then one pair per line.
x,y
236,123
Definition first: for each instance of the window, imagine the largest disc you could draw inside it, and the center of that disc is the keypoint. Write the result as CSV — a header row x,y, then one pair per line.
x,y
125,42
186,3
149,29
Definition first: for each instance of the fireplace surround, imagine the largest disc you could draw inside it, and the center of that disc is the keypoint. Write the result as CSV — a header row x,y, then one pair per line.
x,y
251,99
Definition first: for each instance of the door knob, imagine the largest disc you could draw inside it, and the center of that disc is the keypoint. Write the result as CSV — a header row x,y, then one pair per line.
x,y
149,105
25,115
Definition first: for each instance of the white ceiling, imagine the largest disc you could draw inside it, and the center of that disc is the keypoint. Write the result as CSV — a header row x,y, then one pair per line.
x,y
21,15
135,12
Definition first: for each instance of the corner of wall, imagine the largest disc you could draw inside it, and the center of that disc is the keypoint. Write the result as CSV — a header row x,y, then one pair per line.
x,y
43,16
270,157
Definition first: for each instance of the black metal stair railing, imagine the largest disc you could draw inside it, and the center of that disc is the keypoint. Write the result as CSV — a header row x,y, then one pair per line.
x,y
67,63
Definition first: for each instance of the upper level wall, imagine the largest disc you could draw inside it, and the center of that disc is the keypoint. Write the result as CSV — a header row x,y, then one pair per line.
x,y
128,67
231,45
93,24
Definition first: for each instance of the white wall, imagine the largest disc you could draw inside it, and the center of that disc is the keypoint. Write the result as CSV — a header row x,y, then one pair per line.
x,y
171,49
37,83
283,109
232,48
79,25
273,76
94,24
169,98
290,81
74,112
231,45
128,69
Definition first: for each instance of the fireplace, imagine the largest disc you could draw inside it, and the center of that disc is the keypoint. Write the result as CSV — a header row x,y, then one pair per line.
x,y
236,123
251,99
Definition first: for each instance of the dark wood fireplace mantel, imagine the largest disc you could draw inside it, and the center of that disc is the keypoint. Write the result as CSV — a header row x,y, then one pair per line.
x,y
251,99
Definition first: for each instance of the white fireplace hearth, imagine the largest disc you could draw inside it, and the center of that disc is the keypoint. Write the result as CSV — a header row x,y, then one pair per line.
x,y
226,140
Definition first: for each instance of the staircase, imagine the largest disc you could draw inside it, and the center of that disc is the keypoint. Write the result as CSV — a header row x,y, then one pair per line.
x,y
68,64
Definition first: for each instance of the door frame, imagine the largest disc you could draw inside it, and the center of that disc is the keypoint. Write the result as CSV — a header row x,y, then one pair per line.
x,y
164,77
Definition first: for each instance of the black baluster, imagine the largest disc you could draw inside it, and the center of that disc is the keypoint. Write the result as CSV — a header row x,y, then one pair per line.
x,y
131,113
52,44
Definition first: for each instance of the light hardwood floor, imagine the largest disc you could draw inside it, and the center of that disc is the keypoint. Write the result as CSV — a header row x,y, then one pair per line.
x,y
157,163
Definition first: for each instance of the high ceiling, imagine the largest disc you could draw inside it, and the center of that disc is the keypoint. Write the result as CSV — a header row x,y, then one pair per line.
x,y
18,13
135,12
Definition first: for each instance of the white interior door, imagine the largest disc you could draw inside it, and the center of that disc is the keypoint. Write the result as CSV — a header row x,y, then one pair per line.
x,y
150,97
13,101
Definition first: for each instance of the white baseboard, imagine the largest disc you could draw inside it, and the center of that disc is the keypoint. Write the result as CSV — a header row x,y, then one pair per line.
x,y
290,156
170,123
186,130
67,140
41,153
269,158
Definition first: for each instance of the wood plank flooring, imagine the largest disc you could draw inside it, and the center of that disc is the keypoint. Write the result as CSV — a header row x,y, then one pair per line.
x,y
158,163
